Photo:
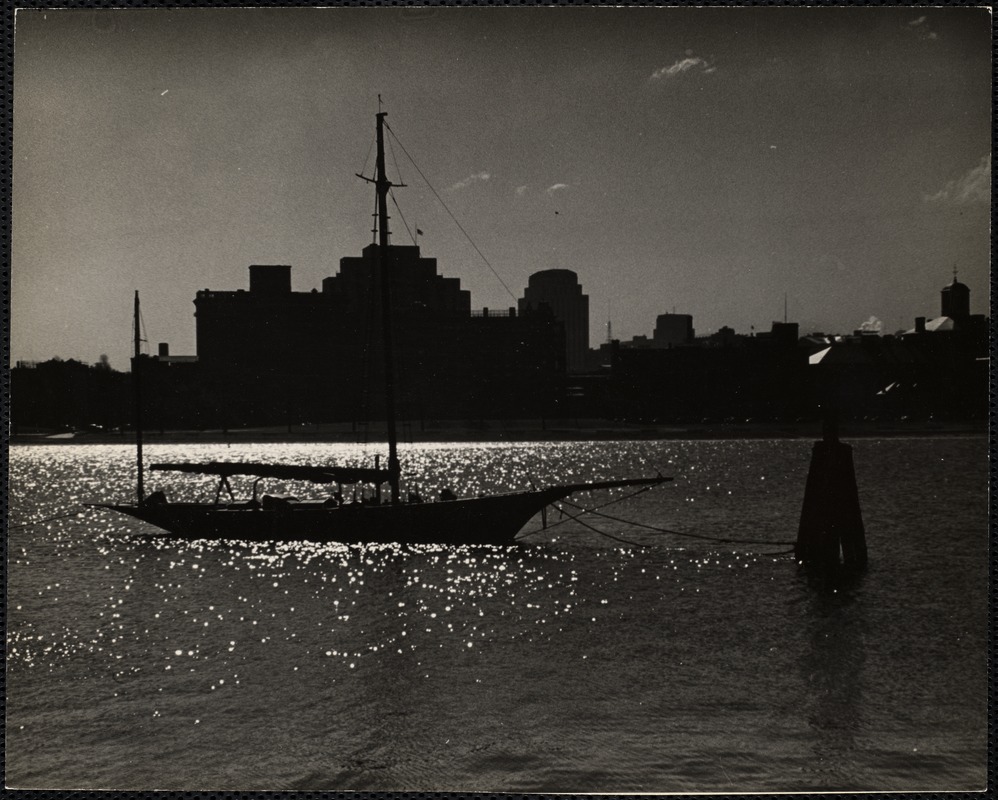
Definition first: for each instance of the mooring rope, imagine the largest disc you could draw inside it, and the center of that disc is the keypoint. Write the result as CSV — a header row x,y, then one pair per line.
x,y
570,517
620,499
595,510
597,530
47,519
723,540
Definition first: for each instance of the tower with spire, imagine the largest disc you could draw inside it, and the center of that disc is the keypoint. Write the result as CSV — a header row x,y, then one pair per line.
x,y
955,300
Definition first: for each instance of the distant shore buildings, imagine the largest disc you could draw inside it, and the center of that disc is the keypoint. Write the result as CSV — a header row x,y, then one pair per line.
x,y
269,355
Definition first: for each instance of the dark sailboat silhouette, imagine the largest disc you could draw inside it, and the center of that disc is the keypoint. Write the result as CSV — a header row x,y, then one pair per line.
x,y
492,519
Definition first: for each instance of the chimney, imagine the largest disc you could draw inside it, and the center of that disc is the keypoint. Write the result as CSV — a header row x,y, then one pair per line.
x,y
164,349
919,324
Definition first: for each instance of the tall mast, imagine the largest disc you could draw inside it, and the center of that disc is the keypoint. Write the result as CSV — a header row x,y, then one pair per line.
x,y
382,186
137,396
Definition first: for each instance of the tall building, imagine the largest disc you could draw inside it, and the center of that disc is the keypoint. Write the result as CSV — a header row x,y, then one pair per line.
x,y
672,330
560,290
257,350
271,354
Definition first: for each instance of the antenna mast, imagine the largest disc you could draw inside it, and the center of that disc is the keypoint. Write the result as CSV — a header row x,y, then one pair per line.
x,y
137,396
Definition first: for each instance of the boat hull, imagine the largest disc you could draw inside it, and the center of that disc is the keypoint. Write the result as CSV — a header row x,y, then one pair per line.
x,y
491,520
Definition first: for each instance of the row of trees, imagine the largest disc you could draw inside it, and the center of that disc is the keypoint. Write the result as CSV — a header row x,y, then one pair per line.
x,y
69,395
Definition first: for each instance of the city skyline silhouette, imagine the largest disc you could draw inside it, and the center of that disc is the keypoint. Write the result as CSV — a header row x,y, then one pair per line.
x,y
711,161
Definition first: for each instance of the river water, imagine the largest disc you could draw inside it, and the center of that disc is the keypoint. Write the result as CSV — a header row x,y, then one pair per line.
x,y
574,663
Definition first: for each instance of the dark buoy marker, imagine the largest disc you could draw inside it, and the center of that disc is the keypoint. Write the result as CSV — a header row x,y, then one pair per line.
x,y
831,538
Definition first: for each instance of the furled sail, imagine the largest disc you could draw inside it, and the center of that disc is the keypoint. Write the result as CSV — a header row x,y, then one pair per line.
x,y
290,472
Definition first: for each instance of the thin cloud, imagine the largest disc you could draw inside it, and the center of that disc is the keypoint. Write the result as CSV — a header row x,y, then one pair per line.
x,y
972,187
921,27
556,188
521,189
463,184
690,63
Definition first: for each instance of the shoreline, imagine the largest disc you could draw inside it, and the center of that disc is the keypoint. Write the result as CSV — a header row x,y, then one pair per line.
x,y
497,431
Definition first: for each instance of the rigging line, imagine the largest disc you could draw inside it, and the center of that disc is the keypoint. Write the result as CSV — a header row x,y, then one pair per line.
x,y
627,496
402,216
450,214
395,161
675,533
367,158
140,323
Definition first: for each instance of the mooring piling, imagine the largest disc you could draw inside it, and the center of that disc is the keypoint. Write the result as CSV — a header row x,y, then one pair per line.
x,y
831,536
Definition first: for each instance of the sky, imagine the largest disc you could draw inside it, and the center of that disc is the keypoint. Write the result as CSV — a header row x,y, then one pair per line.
x,y
719,162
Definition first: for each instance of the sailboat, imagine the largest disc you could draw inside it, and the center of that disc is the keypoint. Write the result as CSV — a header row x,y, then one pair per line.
x,y
492,519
